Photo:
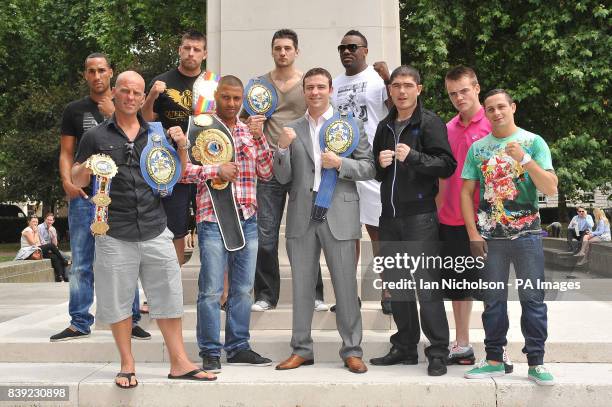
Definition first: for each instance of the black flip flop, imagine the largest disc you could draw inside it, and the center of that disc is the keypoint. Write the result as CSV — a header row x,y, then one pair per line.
x,y
129,377
192,376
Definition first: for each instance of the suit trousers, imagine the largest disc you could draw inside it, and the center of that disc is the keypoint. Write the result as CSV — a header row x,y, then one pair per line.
x,y
304,254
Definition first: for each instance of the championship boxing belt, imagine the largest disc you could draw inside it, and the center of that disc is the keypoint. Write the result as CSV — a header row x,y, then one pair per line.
x,y
339,134
260,98
204,87
104,169
212,144
159,163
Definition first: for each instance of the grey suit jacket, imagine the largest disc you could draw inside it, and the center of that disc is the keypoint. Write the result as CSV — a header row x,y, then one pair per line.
x,y
297,166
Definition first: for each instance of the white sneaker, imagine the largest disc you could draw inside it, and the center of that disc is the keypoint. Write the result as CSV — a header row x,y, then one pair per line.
x,y
508,365
261,306
320,306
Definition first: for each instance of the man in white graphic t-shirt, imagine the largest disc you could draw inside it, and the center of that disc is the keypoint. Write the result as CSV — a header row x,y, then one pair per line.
x,y
361,90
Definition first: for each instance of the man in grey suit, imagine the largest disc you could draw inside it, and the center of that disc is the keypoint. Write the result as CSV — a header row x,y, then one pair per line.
x,y
299,160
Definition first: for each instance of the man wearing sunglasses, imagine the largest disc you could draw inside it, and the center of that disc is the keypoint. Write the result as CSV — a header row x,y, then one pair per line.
x,y
361,90
580,225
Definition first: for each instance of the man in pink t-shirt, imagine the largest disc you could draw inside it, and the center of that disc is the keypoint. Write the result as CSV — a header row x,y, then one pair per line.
x,y
469,125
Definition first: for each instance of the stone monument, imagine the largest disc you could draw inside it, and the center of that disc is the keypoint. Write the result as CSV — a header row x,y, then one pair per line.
x,y
239,33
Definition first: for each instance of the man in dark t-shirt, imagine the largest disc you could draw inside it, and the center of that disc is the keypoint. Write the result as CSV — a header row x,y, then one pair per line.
x,y
80,116
169,101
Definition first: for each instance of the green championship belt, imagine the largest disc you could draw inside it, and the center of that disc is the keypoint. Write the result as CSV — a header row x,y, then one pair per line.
x,y
212,144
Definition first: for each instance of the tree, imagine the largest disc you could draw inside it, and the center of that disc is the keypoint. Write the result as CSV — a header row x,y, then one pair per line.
x,y
43,44
552,56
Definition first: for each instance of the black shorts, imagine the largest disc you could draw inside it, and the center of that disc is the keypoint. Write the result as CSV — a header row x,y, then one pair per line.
x,y
455,243
177,210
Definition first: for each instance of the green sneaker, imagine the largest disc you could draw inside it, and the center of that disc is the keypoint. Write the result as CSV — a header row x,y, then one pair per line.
x,y
484,370
541,375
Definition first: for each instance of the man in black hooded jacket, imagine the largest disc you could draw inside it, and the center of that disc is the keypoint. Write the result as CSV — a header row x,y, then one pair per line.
x,y
411,152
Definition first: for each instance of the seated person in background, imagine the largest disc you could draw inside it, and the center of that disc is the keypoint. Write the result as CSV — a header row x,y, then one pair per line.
x,y
31,244
554,229
577,228
601,234
48,234
46,231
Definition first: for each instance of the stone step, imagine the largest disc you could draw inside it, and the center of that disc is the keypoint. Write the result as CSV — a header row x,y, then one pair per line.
x,y
281,317
26,271
323,384
190,289
32,345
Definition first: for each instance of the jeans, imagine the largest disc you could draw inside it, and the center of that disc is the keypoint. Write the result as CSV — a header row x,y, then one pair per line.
x,y
241,269
271,196
80,216
420,234
527,255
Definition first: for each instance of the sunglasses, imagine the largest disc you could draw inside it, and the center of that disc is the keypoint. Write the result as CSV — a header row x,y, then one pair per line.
x,y
351,47
129,153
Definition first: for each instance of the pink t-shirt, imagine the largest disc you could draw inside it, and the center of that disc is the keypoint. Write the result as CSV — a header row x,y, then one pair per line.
x,y
460,139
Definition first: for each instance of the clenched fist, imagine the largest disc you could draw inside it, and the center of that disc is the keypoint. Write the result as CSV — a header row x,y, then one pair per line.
x,y
385,158
228,171
286,137
255,124
514,150
401,151
382,69
157,89
106,106
329,159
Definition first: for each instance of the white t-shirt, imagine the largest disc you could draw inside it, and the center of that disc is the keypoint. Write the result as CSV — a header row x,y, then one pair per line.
x,y
364,95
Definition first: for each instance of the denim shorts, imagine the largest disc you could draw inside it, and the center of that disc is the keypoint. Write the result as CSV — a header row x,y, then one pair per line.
x,y
118,265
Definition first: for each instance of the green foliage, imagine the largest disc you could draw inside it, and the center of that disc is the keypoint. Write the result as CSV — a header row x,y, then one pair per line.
x,y
553,57
43,44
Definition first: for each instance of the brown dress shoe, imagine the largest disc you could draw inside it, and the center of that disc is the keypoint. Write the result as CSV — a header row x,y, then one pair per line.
x,y
355,365
294,362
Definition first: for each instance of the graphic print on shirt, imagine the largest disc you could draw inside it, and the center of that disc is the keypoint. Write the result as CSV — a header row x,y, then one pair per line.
x,y
351,100
89,121
182,100
504,203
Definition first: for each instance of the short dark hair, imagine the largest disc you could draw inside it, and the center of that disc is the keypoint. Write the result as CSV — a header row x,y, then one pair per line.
x,y
230,80
97,55
317,71
32,217
285,33
358,34
459,72
193,35
49,214
406,70
498,91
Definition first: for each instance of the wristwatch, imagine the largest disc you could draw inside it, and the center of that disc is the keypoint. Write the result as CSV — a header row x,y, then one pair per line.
x,y
526,159
186,145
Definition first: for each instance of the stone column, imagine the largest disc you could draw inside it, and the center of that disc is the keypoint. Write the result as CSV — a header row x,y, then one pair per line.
x,y
239,32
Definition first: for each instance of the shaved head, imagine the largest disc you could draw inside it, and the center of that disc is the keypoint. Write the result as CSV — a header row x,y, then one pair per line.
x,y
128,93
129,76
